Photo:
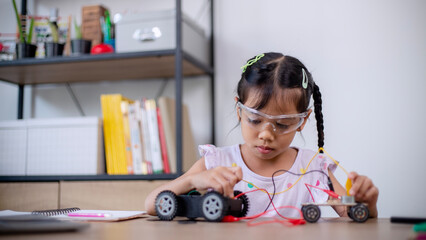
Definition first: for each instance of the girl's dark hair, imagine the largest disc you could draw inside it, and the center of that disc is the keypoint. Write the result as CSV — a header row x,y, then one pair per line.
x,y
275,71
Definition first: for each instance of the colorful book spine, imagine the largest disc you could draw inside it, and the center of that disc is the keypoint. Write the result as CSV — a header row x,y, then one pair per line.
x,y
138,111
127,140
167,110
107,122
163,142
157,162
146,137
114,138
135,139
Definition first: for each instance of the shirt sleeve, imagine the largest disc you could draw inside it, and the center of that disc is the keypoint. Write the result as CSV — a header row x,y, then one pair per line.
x,y
209,153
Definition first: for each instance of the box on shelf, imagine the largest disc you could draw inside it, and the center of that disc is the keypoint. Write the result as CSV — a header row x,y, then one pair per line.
x,y
151,31
65,146
91,26
13,152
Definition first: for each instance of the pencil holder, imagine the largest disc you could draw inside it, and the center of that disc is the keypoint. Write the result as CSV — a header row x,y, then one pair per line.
x,y
52,49
24,50
80,46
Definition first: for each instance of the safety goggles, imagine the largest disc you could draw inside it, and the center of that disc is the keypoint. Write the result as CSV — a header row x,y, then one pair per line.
x,y
281,124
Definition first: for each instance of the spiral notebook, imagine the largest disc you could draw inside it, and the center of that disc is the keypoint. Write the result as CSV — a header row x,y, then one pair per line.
x,y
81,215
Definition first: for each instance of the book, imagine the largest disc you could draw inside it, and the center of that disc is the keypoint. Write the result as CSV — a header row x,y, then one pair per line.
x,y
168,114
81,215
127,141
152,121
114,135
138,111
107,122
146,138
23,222
163,142
135,138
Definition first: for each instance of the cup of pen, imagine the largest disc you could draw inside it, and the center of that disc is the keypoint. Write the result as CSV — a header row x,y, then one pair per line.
x,y
53,49
25,50
80,46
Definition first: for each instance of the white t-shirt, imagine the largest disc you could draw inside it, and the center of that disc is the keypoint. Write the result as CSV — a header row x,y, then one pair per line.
x,y
295,193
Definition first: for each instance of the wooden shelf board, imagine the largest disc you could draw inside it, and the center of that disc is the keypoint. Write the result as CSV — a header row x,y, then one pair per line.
x,y
92,68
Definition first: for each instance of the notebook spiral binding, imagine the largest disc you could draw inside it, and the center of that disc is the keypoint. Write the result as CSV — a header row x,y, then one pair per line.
x,y
54,212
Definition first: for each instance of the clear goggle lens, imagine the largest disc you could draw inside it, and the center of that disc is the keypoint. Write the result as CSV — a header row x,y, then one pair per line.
x,y
280,124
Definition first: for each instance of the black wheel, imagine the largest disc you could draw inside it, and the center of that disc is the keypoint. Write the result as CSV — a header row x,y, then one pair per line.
x,y
350,213
246,205
213,207
166,205
359,213
311,213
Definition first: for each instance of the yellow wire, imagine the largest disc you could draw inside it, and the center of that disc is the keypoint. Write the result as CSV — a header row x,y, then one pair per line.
x,y
309,163
336,162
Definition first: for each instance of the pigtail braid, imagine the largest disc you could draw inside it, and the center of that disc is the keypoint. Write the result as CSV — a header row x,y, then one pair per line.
x,y
318,115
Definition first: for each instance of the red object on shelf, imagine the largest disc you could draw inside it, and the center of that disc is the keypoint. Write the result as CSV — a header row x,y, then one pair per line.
x,y
102,48
1,47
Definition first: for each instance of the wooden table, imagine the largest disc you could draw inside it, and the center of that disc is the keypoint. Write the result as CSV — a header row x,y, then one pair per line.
x,y
151,228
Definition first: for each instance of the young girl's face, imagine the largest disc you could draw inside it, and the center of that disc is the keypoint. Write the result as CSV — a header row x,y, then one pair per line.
x,y
269,138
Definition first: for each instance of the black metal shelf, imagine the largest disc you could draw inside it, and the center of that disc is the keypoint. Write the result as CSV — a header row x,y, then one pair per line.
x,y
170,63
103,177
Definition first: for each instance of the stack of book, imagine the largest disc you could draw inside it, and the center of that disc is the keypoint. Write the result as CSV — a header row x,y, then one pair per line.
x,y
140,135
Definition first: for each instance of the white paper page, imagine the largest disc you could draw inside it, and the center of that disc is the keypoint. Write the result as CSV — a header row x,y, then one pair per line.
x,y
6,213
108,215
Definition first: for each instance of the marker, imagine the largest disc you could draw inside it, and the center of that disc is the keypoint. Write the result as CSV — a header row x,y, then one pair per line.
x,y
101,215
421,227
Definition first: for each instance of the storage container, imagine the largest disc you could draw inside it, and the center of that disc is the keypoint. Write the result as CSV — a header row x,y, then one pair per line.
x,y
65,146
157,31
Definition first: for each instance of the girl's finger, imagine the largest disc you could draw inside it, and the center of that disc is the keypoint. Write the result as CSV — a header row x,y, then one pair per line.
x,y
227,189
353,175
217,186
237,171
231,177
371,195
366,185
356,185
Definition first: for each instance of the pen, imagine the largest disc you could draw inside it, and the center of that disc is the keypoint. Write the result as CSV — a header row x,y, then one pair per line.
x,y
409,220
89,215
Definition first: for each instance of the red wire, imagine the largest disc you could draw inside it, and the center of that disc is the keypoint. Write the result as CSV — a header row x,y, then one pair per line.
x,y
310,192
293,221
329,192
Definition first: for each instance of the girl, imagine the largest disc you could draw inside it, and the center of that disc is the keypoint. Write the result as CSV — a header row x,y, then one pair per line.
x,y
272,104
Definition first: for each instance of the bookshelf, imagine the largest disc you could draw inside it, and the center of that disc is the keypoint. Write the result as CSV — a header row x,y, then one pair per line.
x,y
112,67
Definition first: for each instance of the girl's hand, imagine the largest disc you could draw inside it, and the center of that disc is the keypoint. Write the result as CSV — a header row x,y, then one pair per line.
x,y
221,179
364,191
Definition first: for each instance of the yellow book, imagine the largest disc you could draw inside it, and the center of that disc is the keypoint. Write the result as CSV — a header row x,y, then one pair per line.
x,y
127,141
106,115
119,142
115,145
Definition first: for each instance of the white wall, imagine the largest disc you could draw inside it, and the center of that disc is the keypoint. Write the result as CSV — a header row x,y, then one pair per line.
x,y
368,57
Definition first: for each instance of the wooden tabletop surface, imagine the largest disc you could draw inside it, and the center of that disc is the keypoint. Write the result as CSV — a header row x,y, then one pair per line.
x,y
151,228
